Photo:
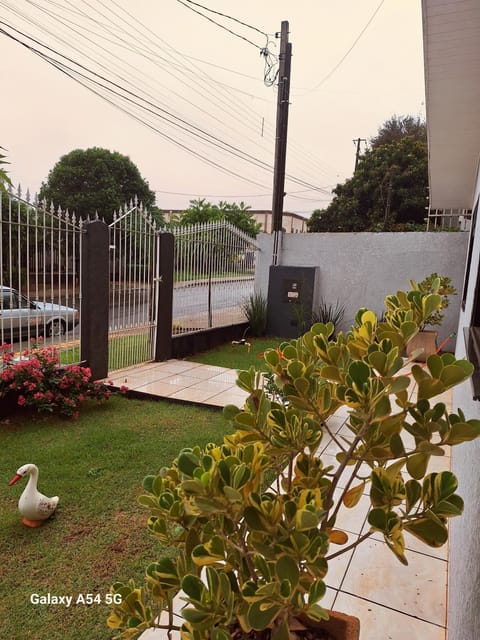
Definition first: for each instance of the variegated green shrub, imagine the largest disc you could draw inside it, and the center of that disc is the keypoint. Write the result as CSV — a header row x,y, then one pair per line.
x,y
252,523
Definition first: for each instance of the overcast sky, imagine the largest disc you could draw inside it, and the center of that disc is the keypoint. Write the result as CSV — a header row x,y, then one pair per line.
x,y
201,121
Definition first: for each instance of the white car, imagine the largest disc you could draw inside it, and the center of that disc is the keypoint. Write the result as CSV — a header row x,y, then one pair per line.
x,y
20,316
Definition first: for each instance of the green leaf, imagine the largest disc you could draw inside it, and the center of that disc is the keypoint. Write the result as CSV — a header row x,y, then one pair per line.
x,y
414,492
378,360
316,592
286,568
430,304
193,587
230,411
302,386
408,330
305,520
295,369
261,614
417,465
148,501
430,530
429,387
435,365
359,372
445,484
377,518
187,463
453,506
209,553
316,612
331,373
454,374
463,432
254,519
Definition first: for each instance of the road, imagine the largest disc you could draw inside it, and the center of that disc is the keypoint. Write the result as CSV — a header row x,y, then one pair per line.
x,y
190,309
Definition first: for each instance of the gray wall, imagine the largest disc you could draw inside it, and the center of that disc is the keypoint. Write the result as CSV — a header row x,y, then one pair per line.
x,y
464,569
360,269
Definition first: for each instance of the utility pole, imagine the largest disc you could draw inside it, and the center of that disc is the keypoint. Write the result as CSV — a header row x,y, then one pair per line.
x,y
357,155
281,138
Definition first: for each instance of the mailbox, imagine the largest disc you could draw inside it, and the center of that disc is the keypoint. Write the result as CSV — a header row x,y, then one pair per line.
x,y
292,292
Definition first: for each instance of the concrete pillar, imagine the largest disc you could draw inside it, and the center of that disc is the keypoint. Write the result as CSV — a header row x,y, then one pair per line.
x,y
95,296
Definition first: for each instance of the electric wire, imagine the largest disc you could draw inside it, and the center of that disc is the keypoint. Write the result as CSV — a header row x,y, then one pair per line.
x,y
237,35
300,154
345,56
298,181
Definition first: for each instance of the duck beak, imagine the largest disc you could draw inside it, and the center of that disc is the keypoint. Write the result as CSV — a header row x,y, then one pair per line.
x,y
14,479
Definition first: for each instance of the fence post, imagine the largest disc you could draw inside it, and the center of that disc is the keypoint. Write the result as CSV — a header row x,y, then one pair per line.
x,y
95,298
163,343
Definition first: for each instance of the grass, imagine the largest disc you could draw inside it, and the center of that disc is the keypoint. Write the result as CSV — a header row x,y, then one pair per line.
x,y
98,534
238,356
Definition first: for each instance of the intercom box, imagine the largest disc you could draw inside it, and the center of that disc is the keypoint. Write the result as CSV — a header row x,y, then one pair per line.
x,y
292,292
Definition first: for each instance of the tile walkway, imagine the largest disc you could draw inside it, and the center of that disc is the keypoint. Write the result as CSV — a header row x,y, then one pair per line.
x,y
393,601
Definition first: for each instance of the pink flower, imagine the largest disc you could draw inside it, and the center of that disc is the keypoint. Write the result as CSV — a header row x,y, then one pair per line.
x,y
21,400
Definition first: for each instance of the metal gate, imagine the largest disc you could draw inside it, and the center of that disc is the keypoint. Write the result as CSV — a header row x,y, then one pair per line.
x,y
214,275
134,287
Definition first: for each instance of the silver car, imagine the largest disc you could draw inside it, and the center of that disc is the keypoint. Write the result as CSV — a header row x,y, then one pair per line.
x,y
20,316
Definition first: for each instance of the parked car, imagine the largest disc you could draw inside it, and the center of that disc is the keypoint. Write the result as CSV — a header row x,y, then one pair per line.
x,y
20,316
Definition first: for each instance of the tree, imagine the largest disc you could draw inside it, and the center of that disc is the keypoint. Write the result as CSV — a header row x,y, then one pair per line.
x,y
237,214
4,179
90,181
397,128
388,190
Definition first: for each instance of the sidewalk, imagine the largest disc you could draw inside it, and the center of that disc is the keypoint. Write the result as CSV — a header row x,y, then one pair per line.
x,y
393,601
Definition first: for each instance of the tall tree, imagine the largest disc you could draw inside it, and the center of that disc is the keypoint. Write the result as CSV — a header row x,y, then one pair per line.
x,y
389,188
398,127
201,210
97,180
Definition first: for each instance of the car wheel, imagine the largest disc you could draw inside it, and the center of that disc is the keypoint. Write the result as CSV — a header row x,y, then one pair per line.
x,y
56,328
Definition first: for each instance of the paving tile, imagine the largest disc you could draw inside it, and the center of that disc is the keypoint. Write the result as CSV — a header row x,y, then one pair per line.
x,y
419,588
160,388
382,623
230,396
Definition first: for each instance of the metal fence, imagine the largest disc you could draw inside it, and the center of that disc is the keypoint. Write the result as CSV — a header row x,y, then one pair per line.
x,y
40,275
134,284
449,219
214,275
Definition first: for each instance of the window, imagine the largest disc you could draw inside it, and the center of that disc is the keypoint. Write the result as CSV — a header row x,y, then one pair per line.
x,y
472,332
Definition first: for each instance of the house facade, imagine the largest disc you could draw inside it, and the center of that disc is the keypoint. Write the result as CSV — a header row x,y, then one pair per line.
x,y
452,79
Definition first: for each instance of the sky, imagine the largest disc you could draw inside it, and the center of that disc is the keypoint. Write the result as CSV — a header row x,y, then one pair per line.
x,y
187,101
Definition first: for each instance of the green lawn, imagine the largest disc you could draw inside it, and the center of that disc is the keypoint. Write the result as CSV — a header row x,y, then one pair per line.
x,y
98,533
238,356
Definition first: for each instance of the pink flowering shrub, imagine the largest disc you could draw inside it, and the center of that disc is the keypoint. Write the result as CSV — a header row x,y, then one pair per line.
x,y
37,379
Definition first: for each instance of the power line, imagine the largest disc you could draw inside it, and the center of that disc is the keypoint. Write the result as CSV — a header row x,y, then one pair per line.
x,y
224,15
270,59
148,106
127,39
237,35
301,155
340,62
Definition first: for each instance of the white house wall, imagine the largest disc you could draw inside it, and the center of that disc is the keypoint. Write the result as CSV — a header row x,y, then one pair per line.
x,y
464,571
360,269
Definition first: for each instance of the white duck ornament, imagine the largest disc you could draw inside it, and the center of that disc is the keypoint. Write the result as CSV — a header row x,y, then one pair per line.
x,y
34,506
